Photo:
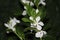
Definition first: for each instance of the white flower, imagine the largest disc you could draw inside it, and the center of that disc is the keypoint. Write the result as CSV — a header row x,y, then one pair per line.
x,y
25,7
12,23
36,23
31,4
40,34
42,2
24,13
37,10
25,1
28,2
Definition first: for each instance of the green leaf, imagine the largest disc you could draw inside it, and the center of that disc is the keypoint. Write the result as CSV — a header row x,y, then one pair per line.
x,y
33,13
26,20
30,28
30,10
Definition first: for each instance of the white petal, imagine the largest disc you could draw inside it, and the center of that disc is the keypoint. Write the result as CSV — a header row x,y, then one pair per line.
x,y
24,13
17,21
31,4
41,23
25,1
37,34
13,24
41,34
6,25
37,10
39,27
44,32
42,2
38,18
31,18
11,20
25,7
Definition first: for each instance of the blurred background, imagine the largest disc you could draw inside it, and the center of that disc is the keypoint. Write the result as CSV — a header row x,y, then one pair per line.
x,y
14,8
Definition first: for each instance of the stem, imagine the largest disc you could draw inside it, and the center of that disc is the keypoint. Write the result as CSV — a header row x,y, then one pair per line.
x,y
18,35
41,39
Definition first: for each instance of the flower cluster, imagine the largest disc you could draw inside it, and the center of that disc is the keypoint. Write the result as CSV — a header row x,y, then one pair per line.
x,y
38,25
36,21
28,2
34,18
12,23
31,4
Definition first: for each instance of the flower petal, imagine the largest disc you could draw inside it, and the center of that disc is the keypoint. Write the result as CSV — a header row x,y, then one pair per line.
x,y
17,21
31,4
37,10
25,7
31,18
13,24
24,13
25,1
41,23
39,35
42,2
6,25
39,27
38,18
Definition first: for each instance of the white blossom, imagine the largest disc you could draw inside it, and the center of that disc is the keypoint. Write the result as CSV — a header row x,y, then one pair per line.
x,y
24,13
25,7
37,23
12,23
25,1
40,34
31,18
31,4
37,10
42,2
28,2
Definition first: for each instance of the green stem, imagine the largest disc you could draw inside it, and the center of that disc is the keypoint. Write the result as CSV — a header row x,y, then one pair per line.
x,y
18,36
40,38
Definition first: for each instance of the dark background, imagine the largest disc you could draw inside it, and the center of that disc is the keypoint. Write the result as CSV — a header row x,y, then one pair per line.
x,y
10,8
